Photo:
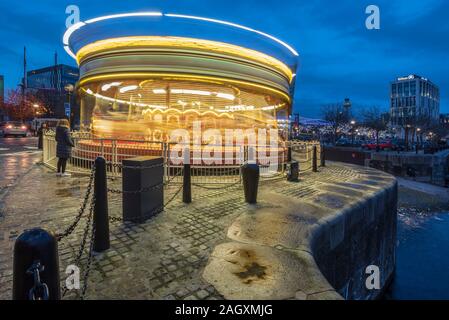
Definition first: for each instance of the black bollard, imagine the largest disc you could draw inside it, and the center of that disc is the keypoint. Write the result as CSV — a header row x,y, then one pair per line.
x,y
289,154
314,159
250,173
101,217
323,157
187,178
186,185
40,139
293,172
36,267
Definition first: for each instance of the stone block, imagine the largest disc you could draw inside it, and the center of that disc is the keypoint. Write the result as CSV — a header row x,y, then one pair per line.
x,y
143,191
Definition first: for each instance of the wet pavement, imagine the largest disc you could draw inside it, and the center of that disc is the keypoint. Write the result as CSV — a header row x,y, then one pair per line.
x,y
178,254
17,155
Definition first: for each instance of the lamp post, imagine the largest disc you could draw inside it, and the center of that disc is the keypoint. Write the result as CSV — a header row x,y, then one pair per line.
x,y
352,131
69,88
418,139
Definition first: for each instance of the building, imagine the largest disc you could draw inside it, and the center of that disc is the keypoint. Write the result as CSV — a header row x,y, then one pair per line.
x,y
2,97
413,100
49,85
444,120
2,89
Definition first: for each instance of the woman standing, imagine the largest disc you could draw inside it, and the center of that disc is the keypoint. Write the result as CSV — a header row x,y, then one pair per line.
x,y
64,144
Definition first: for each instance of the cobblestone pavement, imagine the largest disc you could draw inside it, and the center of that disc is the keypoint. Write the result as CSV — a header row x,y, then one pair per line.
x,y
17,155
163,258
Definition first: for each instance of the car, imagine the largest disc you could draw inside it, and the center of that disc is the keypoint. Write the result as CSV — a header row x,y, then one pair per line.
x,y
15,128
385,145
343,142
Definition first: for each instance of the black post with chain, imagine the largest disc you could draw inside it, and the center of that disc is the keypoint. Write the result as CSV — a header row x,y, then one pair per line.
x,y
314,159
101,219
187,178
187,184
36,266
323,156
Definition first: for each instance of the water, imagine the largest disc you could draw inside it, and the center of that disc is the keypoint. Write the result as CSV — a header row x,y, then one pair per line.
x,y
422,257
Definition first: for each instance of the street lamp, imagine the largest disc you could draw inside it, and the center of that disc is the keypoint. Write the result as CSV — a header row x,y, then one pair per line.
x,y
69,88
352,130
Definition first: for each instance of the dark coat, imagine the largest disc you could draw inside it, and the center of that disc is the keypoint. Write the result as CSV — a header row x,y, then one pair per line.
x,y
64,142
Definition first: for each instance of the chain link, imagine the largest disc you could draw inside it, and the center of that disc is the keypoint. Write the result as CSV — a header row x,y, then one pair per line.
x,y
115,219
84,238
39,291
89,262
121,166
72,227
228,186
180,173
174,197
146,189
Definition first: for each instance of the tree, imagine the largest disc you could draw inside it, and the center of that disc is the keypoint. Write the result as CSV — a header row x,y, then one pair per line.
x,y
336,115
374,119
19,107
423,123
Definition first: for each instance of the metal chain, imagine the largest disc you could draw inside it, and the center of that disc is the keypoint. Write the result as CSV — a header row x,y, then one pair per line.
x,y
89,262
174,197
84,238
180,173
72,227
121,166
39,291
146,189
217,188
115,219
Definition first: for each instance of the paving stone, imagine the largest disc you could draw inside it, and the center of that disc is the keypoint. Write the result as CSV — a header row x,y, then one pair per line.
x,y
202,294
163,258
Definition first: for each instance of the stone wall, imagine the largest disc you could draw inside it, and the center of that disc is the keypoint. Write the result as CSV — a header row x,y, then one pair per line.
x,y
431,168
311,240
362,235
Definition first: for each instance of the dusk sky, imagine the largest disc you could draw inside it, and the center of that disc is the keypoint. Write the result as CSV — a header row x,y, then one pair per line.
x,y
339,57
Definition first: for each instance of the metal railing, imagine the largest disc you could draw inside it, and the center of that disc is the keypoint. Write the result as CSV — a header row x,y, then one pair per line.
x,y
88,147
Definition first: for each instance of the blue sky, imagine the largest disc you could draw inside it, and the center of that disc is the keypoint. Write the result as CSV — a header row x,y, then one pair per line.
x,y
339,57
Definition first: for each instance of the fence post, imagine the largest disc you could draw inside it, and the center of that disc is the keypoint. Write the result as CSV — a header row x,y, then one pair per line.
x,y
36,267
101,218
323,156
114,158
186,182
314,159
165,161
